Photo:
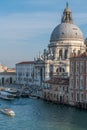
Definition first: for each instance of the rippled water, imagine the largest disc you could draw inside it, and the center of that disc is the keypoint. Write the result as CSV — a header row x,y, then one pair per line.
x,y
35,114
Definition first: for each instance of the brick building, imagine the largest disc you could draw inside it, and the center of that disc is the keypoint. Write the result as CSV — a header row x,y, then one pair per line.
x,y
78,80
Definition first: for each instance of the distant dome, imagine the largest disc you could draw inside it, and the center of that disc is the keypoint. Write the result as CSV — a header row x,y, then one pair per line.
x,y
86,41
66,31
67,10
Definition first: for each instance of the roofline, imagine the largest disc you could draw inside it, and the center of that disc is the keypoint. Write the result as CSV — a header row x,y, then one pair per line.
x,y
25,62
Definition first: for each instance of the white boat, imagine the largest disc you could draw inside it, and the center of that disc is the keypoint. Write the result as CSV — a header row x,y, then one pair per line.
x,y
10,90
7,111
6,95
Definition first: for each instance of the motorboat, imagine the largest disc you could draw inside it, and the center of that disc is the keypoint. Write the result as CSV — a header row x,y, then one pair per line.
x,y
10,90
6,95
7,111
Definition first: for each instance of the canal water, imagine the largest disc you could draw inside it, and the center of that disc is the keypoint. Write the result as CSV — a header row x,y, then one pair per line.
x,y
36,114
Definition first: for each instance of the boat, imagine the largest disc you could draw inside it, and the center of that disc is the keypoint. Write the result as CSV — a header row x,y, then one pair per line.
x,y
6,95
7,111
10,90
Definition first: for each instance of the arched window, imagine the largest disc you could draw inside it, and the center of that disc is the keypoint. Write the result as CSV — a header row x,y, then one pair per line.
x,y
60,53
60,69
63,70
57,70
66,53
51,70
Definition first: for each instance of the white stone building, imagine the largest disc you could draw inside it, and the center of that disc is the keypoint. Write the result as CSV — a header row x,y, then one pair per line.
x,y
65,40
56,90
7,75
25,73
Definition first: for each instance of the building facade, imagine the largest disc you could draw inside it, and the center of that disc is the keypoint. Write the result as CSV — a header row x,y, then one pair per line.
x,y
7,75
25,73
78,80
56,90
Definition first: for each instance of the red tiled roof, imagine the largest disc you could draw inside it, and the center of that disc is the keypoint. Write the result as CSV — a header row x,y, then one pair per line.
x,y
26,62
59,81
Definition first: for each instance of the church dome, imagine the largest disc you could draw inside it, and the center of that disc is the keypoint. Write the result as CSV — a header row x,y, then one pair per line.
x,y
67,10
66,31
85,41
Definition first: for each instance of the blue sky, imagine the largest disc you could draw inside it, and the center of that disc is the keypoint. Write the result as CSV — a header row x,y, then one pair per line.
x,y
26,26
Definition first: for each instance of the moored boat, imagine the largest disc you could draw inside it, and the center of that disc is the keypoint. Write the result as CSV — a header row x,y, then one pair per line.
x,y
6,95
7,111
10,90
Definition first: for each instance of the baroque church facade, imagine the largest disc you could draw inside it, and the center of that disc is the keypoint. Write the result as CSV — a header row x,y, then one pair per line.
x,y
66,40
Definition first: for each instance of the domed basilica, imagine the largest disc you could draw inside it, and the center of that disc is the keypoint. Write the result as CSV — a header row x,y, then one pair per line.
x,y
66,40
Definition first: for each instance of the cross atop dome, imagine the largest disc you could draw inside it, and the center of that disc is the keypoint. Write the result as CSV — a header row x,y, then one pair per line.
x,y
67,15
66,4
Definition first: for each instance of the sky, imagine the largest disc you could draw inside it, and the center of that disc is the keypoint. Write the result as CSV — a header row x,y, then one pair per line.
x,y
26,26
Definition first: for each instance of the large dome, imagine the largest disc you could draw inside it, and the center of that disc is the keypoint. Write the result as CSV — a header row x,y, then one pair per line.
x,y
66,31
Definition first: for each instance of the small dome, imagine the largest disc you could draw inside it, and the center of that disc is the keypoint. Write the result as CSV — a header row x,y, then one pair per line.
x,y
66,31
67,10
85,41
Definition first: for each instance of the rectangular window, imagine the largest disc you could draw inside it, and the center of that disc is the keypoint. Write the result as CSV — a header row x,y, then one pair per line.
x,y
77,97
81,67
77,67
71,83
71,96
71,67
77,83
81,97
81,83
